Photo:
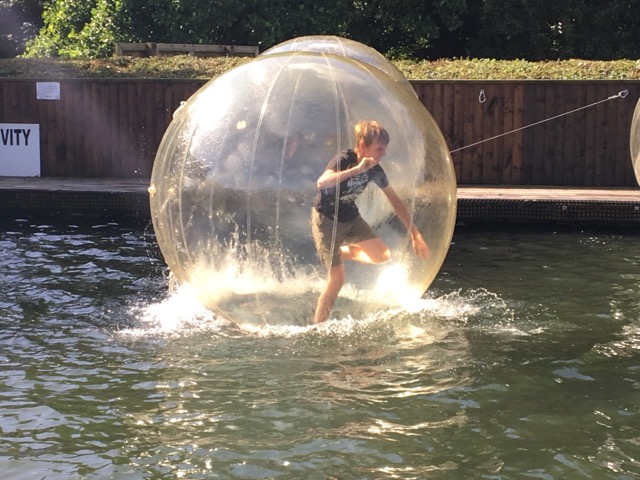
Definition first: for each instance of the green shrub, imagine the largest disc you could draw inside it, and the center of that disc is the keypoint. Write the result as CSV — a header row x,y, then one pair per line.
x,y
203,68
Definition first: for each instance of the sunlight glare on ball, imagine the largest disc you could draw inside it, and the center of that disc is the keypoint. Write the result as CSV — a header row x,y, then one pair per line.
x,y
234,181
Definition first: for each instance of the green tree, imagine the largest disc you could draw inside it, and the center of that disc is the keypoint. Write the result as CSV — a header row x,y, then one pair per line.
x,y
517,29
601,30
503,29
274,21
548,29
89,28
191,21
63,20
407,28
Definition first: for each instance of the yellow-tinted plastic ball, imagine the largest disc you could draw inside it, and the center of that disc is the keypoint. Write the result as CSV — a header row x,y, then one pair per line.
x,y
235,177
346,48
635,141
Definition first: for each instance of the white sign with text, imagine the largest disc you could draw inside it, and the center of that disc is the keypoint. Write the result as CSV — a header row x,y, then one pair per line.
x,y
19,149
48,90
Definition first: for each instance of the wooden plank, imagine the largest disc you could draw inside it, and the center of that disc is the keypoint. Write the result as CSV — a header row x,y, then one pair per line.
x,y
512,174
456,103
571,122
612,172
243,50
494,157
447,124
163,120
466,130
11,101
499,158
479,129
57,147
425,94
73,138
72,106
148,136
93,131
437,105
589,159
131,49
494,164
536,133
204,50
50,134
552,146
165,49
135,126
59,142
84,159
622,155
505,173
109,108
483,127
599,137
518,175
26,97
4,92
174,48
579,139
122,145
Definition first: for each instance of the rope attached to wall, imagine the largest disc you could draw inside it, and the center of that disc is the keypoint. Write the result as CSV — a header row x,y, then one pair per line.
x,y
621,94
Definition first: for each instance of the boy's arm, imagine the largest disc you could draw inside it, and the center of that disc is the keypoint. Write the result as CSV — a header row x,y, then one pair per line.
x,y
417,242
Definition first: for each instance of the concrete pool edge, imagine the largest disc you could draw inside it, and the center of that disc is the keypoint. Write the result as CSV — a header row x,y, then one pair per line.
x,y
476,204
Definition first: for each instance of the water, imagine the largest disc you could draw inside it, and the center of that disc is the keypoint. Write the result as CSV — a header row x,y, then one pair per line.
x,y
523,361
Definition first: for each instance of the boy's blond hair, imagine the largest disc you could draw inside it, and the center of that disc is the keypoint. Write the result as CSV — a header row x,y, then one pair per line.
x,y
369,132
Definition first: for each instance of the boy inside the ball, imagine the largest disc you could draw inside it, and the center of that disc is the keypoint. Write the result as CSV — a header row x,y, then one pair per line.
x,y
339,232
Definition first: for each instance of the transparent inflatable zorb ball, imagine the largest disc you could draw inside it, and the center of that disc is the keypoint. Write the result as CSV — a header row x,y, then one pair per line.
x,y
346,48
234,182
635,141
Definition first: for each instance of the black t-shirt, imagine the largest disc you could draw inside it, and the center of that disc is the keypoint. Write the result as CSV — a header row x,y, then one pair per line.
x,y
349,189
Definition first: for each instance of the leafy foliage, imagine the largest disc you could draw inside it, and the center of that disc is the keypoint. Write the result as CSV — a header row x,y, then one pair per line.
x,y
86,29
549,29
423,29
19,21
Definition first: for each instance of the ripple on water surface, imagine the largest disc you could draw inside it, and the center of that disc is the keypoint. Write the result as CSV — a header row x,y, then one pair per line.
x,y
513,365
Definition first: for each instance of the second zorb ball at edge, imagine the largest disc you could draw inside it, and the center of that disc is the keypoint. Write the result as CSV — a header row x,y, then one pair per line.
x,y
635,141
234,181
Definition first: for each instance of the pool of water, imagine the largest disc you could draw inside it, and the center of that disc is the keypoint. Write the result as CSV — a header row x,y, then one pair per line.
x,y
522,361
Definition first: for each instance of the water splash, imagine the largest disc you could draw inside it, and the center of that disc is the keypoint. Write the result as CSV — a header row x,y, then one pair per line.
x,y
180,314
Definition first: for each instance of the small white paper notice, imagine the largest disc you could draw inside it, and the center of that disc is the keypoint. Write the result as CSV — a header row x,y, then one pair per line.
x,y
48,90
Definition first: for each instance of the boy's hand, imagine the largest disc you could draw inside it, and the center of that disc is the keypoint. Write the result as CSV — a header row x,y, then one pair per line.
x,y
367,163
420,246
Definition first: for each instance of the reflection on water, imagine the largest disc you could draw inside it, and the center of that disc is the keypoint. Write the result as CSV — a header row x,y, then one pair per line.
x,y
522,361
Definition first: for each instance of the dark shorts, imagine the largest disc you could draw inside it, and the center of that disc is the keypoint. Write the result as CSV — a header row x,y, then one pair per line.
x,y
329,235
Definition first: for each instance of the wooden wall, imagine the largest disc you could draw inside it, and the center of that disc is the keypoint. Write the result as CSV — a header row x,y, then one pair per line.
x,y
113,127
98,128
589,147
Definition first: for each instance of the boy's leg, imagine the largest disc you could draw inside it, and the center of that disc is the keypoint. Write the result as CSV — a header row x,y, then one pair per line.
x,y
372,251
330,293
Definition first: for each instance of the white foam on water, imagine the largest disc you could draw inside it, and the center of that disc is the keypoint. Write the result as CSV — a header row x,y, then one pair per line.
x,y
181,313
177,315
